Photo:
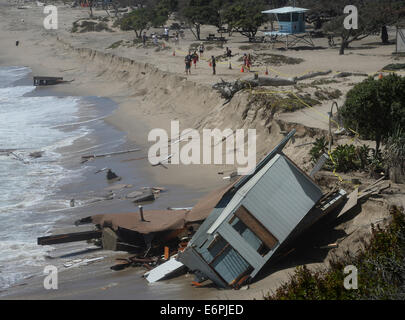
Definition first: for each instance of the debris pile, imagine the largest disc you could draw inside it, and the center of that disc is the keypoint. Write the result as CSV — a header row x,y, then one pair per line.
x,y
231,233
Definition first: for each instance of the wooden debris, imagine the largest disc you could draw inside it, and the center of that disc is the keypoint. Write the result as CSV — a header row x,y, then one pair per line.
x,y
330,246
134,194
101,170
348,74
313,75
69,237
36,154
375,190
16,156
178,209
145,196
229,89
118,187
164,270
134,159
350,203
109,154
46,81
111,175
161,163
121,264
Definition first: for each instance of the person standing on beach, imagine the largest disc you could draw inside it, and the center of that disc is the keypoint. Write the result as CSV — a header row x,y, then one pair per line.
x,y
166,33
214,64
248,61
201,49
144,38
195,59
187,62
154,39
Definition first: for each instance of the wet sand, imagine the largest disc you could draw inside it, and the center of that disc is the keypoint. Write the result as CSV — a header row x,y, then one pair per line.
x,y
97,281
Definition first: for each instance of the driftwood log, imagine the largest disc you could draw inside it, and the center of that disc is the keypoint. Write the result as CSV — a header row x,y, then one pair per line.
x,y
313,75
348,74
229,89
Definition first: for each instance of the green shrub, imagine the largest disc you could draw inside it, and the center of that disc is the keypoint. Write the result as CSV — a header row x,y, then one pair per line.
x,y
394,66
380,265
82,26
373,108
320,146
343,158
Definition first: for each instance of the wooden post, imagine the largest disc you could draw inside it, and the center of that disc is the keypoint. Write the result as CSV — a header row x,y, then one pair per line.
x,y
141,213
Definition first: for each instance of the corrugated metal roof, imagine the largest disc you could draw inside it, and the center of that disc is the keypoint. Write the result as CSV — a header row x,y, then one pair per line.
x,y
286,10
278,187
281,197
277,149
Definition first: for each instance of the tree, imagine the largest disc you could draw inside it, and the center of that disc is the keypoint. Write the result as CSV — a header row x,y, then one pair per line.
x,y
138,20
160,11
373,108
245,16
196,13
373,16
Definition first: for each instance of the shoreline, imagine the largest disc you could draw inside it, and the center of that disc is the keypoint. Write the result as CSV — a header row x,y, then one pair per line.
x,y
149,95
179,193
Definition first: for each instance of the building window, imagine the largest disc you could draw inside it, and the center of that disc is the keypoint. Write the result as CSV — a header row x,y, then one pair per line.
x,y
253,231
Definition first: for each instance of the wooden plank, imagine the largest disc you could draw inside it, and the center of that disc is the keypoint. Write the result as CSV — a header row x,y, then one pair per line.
x,y
69,237
109,154
253,224
351,203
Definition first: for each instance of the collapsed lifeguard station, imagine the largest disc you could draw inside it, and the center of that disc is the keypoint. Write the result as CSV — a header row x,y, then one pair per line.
x,y
291,26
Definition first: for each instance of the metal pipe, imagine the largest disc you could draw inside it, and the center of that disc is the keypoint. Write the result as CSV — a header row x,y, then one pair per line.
x,y
330,124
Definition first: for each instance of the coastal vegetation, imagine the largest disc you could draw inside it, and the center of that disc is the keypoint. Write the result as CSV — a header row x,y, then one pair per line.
x,y
245,17
283,102
374,109
381,271
86,25
272,59
343,158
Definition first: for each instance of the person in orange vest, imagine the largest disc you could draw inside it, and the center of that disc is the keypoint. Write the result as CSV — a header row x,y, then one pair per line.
x,y
244,59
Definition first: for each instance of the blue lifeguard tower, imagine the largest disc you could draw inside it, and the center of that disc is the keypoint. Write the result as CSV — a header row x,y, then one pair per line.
x,y
291,24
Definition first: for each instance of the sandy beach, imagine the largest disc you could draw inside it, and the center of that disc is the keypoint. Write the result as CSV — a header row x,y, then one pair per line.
x,y
147,89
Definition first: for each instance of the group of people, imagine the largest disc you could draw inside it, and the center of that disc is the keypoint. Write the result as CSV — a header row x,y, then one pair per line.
x,y
189,59
193,58
165,36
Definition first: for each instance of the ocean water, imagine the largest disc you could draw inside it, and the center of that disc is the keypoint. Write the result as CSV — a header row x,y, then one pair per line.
x,y
28,123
